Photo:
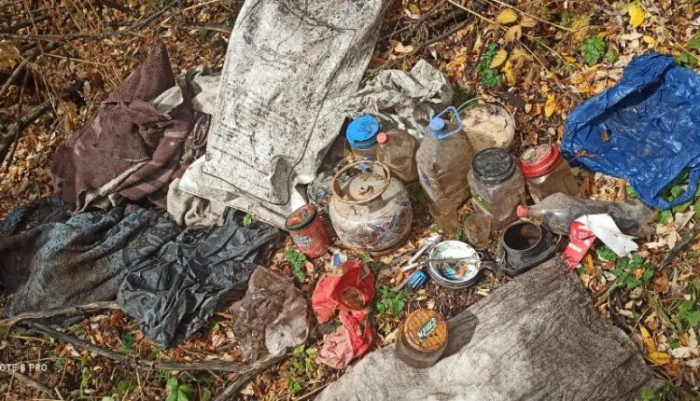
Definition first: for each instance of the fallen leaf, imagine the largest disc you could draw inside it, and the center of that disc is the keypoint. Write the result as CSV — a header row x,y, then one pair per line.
x,y
636,15
648,40
509,74
659,358
682,352
457,61
528,22
514,33
499,59
507,16
648,341
398,47
550,106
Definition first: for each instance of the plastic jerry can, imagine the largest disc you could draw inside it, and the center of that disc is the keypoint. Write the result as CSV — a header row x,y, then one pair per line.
x,y
397,150
444,158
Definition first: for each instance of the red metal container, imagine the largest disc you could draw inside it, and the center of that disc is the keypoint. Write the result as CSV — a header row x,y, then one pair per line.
x,y
307,231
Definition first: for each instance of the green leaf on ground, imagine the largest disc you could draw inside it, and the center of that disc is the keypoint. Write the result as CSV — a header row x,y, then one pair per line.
x,y
593,49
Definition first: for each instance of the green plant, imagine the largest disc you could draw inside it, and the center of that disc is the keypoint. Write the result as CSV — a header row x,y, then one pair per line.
x,y
128,342
205,380
687,315
612,56
567,18
248,219
634,272
85,375
663,394
179,391
123,388
301,365
296,259
686,59
390,301
164,374
694,43
489,76
59,363
593,49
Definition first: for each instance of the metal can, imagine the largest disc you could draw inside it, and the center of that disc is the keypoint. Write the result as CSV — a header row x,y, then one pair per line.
x,y
307,231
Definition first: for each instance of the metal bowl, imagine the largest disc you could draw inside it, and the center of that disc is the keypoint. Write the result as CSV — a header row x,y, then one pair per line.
x,y
454,274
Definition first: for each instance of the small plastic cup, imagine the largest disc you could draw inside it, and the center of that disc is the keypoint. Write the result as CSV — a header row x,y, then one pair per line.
x,y
476,230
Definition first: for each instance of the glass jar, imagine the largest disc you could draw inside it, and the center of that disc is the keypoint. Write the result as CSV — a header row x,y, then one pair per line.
x,y
362,137
547,172
422,338
497,186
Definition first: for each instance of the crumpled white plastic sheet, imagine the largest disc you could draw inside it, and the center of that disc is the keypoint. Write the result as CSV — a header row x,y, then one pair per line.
x,y
407,99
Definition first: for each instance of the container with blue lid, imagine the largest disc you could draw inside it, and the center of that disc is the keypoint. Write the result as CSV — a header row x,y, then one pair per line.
x,y
362,136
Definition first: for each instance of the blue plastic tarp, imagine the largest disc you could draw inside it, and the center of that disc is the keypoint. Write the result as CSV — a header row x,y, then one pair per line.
x,y
645,129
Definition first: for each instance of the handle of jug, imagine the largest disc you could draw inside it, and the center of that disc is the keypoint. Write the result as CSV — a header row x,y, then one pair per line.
x,y
456,116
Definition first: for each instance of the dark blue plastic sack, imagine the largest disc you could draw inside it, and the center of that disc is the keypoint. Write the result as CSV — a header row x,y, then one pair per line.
x,y
645,129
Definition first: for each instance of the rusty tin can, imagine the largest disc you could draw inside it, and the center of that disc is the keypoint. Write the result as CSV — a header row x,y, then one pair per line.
x,y
422,338
307,231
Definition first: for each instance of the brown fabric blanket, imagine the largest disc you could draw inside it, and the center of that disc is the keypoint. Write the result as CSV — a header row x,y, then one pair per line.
x,y
127,148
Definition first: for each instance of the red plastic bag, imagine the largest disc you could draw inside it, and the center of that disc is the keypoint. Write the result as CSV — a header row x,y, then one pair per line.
x,y
351,289
350,341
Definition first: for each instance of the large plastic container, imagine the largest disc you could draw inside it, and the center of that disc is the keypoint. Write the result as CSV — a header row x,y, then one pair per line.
x,y
546,172
558,211
497,186
488,125
397,150
444,159
362,137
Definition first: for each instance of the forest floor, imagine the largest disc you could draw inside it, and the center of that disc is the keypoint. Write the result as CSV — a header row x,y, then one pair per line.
x,y
538,58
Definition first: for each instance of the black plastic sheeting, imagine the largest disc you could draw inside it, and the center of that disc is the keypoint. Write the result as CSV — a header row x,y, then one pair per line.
x,y
170,280
80,261
645,129
174,295
51,209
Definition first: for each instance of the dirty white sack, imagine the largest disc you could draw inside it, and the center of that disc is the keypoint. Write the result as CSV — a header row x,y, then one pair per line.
x,y
289,70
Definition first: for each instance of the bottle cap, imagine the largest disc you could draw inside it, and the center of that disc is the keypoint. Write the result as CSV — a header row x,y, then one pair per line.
x,y
362,132
537,161
523,211
382,138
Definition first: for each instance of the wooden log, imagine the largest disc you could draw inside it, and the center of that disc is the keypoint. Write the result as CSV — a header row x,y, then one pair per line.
x,y
536,338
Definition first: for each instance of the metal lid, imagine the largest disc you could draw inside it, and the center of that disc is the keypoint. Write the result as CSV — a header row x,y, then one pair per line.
x,y
367,185
493,165
362,132
537,161
301,217
425,330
